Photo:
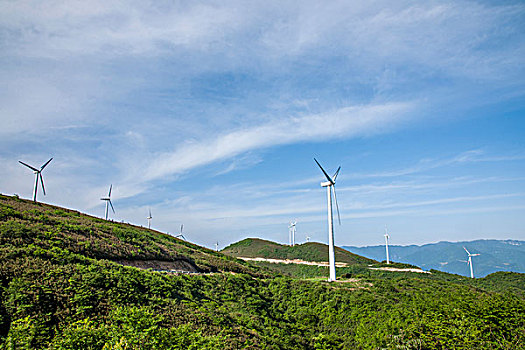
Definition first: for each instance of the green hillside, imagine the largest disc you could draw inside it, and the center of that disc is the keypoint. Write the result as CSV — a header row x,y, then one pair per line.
x,y
64,285
312,251
43,228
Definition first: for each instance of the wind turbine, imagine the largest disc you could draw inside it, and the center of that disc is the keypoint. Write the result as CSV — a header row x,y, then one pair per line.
x,y
330,184
292,232
469,262
149,219
38,174
108,201
307,239
180,234
386,241
217,246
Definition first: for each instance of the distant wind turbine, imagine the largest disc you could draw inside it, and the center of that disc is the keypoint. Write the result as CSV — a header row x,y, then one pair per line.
x,y
108,201
180,234
386,245
307,239
469,262
330,184
149,218
217,246
292,232
38,175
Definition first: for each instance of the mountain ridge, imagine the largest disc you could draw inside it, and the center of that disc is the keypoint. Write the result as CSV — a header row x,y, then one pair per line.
x,y
311,251
496,255
44,226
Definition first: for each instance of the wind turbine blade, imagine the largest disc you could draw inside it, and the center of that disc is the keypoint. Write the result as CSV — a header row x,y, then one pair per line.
x,y
110,187
42,182
337,206
109,200
27,165
150,214
43,166
181,227
324,172
466,250
336,173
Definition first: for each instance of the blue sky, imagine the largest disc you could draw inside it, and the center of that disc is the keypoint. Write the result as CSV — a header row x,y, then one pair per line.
x,y
210,114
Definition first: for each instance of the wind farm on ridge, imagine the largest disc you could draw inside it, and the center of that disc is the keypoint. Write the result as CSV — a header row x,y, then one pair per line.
x,y
331,193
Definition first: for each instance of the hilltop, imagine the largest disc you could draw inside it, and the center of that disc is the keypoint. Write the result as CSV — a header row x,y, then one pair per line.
x,y
36,227
66,283
311,251
496,255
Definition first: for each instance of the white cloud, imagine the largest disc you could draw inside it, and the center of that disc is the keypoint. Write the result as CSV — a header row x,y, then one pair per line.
x,y
341,123
470,156
132,74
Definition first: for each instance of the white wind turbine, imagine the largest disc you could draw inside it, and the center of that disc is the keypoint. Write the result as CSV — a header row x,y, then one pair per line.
x,y
108,201
38,175
292,231
329,185
469,262
217,246
149,218
386,245
307,239
180,234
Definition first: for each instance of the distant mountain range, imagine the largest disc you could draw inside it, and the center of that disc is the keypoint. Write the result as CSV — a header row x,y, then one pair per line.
x,y
496,255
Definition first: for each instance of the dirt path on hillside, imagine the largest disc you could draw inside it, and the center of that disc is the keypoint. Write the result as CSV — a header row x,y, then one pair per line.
x,y
322,263
395,269
293,261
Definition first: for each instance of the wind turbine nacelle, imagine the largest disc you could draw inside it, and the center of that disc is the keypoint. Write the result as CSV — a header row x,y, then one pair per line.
x,y
326,184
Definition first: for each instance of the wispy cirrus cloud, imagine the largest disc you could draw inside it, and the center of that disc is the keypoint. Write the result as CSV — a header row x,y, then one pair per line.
x,y
426,164
341,123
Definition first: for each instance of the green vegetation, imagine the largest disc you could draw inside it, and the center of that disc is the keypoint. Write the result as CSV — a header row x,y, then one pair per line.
x,y
58,292
312,251
36,226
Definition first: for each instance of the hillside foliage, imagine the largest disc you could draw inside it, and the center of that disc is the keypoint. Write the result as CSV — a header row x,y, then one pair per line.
x,y
311,251
57,292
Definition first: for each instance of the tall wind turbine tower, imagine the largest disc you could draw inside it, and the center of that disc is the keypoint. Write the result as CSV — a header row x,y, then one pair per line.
x,y
292,231
469,262
386,245
149,219
330,184
108,201
38,175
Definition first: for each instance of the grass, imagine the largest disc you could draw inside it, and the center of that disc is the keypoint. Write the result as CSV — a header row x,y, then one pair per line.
x,y
23,222
312,251
61,287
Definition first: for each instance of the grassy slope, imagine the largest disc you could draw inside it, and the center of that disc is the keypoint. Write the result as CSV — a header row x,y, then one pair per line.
x,y
313,251
35,226
59,289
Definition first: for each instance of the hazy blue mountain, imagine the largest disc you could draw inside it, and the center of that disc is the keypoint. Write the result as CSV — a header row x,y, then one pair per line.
x,y
496,255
